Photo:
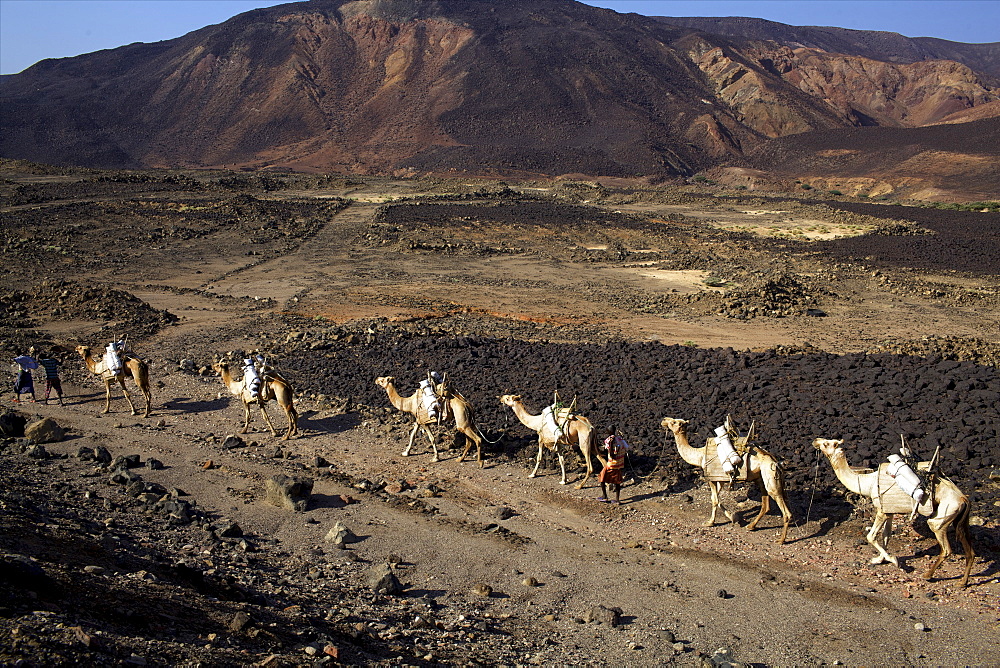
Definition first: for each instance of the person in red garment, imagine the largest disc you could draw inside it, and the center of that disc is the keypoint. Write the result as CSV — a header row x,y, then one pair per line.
x,y
613,473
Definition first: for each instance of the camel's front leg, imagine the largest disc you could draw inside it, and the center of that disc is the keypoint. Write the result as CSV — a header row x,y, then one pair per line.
x,y
878,536
538,460
432,437
716,488
107,395
246,418
562,465
413,434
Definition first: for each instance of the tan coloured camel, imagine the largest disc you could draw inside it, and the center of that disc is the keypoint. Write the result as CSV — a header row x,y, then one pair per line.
x,y
946,506
576,429
137,368
455,408
762,468
273,387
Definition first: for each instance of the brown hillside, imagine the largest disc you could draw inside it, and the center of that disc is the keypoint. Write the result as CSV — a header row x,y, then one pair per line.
x,y
961,158
540,87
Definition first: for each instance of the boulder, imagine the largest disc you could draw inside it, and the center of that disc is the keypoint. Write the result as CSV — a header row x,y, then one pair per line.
x,y
45,430
291,493
604,615
340,534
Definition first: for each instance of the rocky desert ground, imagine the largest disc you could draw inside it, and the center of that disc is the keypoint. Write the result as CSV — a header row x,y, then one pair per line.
x,y
135,540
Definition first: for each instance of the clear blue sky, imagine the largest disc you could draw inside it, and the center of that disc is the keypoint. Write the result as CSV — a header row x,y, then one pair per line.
x,y
31,30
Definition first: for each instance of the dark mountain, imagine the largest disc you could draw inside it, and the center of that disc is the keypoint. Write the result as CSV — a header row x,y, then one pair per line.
x,y
875,44
456,86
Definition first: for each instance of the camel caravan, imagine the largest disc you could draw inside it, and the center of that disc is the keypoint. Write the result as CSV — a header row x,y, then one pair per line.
x,y
900,486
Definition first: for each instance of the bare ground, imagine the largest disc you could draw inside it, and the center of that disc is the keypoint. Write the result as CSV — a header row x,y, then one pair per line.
x,y
252,269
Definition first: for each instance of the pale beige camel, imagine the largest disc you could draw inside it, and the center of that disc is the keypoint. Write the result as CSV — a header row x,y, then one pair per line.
x,y
272,386
763,470
136,368
576,429
454,409
946,506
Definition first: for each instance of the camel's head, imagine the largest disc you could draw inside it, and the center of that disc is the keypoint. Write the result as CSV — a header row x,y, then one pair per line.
x,y
83,351
220,366
676,425
384,381
828,446
510,399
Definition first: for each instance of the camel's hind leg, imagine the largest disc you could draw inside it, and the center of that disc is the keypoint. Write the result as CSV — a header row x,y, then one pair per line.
x,y
939,525
562,465
293,421
246,418
128,397
774,488
267,421
470,438
585,450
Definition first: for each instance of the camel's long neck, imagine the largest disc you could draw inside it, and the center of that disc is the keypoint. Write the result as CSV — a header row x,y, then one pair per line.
x,y
229,381
693,456
89,361
527,419
394,397
848,478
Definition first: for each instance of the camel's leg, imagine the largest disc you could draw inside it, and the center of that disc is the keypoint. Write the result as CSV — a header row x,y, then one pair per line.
x,y
765,506
585,450
107,395
714,487
246,418
413,434
293,420
267,420
538,460
470,438
774,488
433,439
962,531
878,536
786,515
562,466
939,525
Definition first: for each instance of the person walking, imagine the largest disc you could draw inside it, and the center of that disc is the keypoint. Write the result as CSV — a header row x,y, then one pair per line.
x,y
52,381
613,473
23,382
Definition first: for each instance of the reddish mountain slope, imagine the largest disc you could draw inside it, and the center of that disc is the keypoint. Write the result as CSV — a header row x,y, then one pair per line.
x,y
533,87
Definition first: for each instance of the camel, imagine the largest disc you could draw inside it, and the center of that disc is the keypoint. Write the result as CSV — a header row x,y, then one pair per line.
x,y
946,506
272,386
760,467
137,368
455,408
576,429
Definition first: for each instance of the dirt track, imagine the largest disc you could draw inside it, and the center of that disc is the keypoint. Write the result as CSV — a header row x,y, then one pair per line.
x,y
661,310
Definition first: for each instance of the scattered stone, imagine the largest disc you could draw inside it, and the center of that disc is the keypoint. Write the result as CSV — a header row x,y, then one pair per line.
x,y
666,635
233,441
207,465
603,615
87,640
291,493
229,530
95,570
483,590
154,464
239,621
12,424
45,430
529,582
340,534
919,626
722,658
37,452
382,580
